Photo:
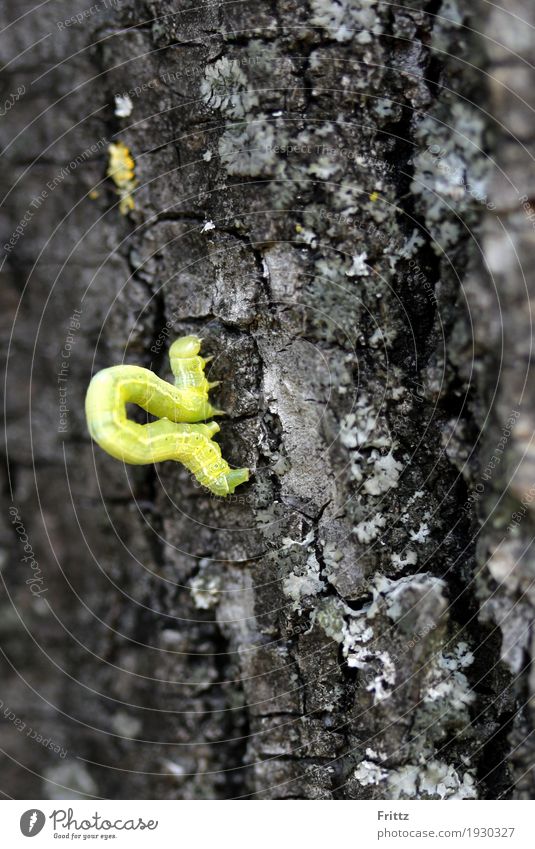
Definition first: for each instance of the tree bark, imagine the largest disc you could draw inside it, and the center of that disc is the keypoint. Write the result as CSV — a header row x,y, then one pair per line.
x,y
337,197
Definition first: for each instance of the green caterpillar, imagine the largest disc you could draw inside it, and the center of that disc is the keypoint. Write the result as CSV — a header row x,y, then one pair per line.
x,y
176,435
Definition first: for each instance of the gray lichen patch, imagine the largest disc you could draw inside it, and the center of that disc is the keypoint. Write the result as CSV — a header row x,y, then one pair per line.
x,y
365,432
206,586
450,174
69,780
442,695
225,88
405,601
249,149
307,582
425,780
348,20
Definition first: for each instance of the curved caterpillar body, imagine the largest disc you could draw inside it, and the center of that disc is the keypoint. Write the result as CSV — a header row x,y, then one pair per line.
x,y
177,435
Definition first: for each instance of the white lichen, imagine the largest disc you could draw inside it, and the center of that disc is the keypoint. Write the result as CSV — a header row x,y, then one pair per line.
x,y
357,632
433,778
345,20
324,168
383,682
363,428
123,105
298,586
410,558
361,654
205,590
288,542
420,536
369,529
359,266
415,241
368,772
382,337
446,683
365,433
386,472
399,594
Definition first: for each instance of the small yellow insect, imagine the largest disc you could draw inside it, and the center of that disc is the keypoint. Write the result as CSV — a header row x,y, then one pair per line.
x,y
122,170
177,435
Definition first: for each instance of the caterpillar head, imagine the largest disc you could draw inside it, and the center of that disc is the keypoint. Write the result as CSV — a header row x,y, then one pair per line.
x,y
184,348
226,484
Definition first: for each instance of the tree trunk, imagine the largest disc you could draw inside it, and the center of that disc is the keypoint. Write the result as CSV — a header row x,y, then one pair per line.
x,y
356,621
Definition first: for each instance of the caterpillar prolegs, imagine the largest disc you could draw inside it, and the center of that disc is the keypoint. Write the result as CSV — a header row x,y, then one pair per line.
x,y
178,434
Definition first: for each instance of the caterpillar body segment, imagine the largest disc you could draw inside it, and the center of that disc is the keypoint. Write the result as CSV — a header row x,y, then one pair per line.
x,y
188,370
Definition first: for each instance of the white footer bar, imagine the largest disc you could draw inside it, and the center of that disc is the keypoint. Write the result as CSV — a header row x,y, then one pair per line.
x,y
269,825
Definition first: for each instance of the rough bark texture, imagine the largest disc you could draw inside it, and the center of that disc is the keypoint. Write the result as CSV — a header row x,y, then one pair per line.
x,y
356,621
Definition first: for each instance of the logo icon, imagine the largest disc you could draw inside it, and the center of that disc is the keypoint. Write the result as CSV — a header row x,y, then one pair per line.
x,y
31,822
